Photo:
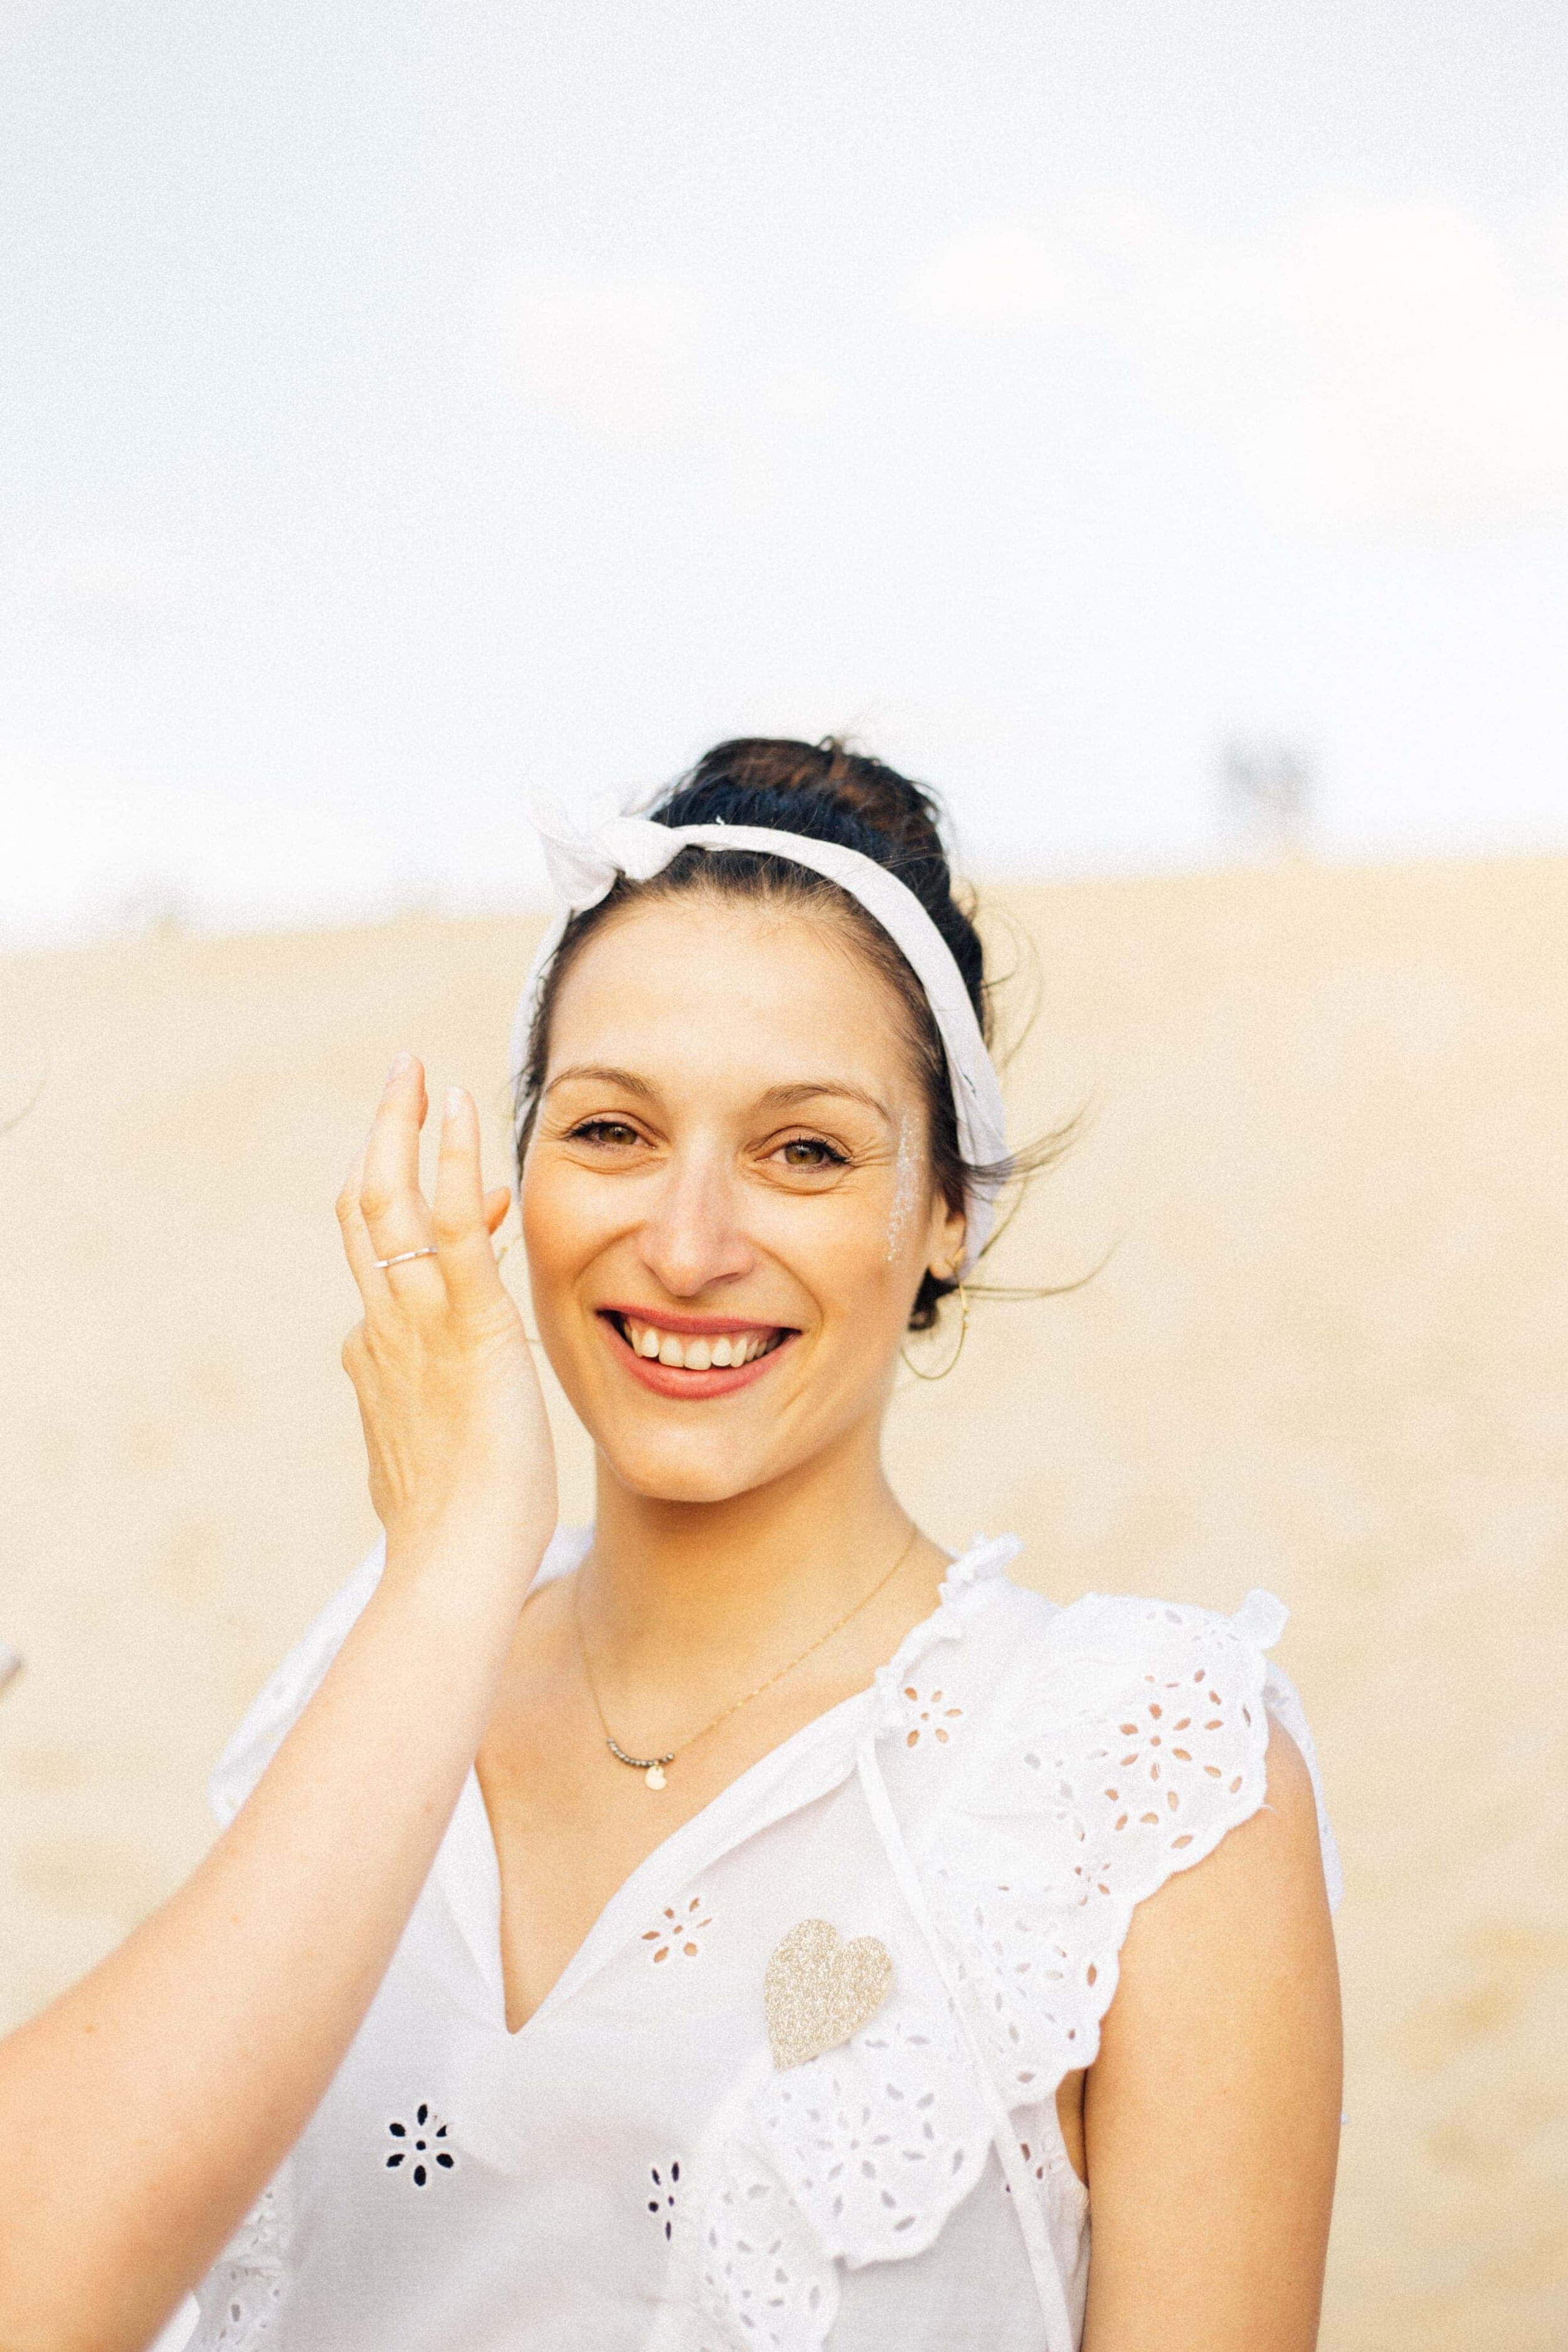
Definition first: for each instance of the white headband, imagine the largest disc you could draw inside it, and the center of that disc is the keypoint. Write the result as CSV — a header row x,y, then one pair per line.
x,y
584,867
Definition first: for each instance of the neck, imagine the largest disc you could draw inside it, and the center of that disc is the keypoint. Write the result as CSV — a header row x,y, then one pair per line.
x,y
704,1581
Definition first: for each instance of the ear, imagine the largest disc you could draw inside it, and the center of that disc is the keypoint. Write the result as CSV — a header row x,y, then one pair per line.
x,y
944,1240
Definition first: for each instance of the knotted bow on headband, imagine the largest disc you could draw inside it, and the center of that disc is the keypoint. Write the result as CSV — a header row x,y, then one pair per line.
x,y
583,868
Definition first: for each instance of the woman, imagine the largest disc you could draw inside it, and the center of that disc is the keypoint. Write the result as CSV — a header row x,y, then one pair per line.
x,y
761,1992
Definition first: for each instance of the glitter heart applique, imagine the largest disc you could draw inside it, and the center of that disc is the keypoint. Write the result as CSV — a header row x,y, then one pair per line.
x,y
818,1991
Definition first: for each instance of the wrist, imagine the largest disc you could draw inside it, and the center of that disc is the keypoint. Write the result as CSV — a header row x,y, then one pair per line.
x,y
465,1549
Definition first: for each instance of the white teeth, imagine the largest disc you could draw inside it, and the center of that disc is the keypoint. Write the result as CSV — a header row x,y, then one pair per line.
x,y
695,1355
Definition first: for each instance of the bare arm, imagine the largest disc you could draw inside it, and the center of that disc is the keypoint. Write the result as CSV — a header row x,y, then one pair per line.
x,y
1211,2113
141,2113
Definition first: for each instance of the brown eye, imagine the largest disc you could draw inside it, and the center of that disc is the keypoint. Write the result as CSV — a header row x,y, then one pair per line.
x,y
611,1131
810,1151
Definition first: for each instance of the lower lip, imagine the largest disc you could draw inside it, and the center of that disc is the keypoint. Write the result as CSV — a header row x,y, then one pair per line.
x,y
675,1381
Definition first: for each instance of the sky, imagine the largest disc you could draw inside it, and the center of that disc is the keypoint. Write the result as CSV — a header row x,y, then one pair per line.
x,y
404,409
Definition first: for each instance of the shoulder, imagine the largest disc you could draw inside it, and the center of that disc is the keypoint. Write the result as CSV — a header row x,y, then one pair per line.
x,y
1224,2038
1158,1714
1122,1741
1099,1646
1260,1895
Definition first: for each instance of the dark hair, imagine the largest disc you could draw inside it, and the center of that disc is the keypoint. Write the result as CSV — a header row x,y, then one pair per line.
x,y
828,793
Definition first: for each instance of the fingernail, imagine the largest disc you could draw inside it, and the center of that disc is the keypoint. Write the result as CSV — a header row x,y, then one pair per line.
x,y
400,1061
453,1101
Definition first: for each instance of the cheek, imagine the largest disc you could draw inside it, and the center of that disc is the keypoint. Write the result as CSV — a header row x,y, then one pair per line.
x,y
561,1216
856,1266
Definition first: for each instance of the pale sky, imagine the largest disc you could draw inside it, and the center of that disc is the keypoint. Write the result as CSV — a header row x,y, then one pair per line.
x,y
405,406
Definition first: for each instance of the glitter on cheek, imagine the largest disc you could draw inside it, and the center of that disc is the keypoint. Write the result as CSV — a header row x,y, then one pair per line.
x,y
905,1187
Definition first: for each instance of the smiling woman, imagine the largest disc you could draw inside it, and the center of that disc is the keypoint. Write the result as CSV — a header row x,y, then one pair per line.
x,y
747,1136
859,1915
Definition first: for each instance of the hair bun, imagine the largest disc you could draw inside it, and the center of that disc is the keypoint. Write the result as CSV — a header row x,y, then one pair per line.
x,y
831,793
803,787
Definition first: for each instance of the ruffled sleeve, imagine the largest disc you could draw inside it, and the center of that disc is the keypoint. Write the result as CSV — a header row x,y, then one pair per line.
x,y
1132,1738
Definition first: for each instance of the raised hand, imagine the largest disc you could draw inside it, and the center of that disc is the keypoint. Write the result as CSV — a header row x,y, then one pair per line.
x,y
141,2115
454,1421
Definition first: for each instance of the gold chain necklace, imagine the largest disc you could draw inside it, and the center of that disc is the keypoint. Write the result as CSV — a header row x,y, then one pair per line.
x,y
652,1767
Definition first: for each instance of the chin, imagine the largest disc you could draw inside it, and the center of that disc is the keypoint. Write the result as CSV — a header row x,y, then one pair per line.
x,y
684,1473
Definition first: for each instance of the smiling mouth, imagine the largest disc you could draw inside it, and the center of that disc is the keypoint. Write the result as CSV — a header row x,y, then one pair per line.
x,y
697,1351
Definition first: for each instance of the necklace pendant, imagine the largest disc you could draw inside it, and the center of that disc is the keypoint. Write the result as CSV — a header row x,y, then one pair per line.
x,y
654,1776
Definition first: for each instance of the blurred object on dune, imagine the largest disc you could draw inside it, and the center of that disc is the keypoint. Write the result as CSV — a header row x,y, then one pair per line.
x,y
1267,793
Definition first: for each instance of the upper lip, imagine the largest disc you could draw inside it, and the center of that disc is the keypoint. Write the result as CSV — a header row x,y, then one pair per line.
x,y
707,1326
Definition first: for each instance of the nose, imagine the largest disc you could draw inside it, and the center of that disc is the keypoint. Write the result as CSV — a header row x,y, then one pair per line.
x,y
693,1236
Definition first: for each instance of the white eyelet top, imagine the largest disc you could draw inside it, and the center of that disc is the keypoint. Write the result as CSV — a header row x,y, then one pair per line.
x,y
634,2171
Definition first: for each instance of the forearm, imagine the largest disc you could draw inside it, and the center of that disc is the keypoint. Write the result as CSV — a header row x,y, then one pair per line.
x,y
144,2110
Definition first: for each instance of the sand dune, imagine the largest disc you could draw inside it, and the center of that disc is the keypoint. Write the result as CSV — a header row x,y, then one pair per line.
x,y
1330,1354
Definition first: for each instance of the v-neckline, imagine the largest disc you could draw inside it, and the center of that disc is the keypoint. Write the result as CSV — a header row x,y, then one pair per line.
x,y
468,1865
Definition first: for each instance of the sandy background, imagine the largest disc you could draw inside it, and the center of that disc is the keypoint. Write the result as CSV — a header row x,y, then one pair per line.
x,y
1329,1355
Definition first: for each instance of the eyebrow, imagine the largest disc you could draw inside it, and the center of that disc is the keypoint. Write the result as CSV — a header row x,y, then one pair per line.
x,y
808,1089
782,1097
626,1081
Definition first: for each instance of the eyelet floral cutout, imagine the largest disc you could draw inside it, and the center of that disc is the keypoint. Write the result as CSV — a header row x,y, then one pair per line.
x,y
420,2147
1156,1753
661,2204
1041,2161
933,1717
764,2281
246,2288
878,2140
1145,1782
681,1929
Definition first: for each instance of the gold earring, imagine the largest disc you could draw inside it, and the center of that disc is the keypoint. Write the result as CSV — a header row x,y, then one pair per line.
x,y
962,1336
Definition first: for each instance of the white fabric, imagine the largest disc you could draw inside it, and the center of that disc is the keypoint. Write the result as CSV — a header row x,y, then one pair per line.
x,y
629,2173
583,868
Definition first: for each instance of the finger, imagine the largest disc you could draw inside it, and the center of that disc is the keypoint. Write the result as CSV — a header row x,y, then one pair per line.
x,y
358,1247
394,1207
462,1225
497,1203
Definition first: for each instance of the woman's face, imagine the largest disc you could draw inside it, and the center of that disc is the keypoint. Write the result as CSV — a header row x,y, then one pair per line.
x,y
727,1199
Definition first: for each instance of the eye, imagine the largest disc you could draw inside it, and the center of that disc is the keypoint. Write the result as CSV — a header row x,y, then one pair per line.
x,y
810,1151
611,1132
